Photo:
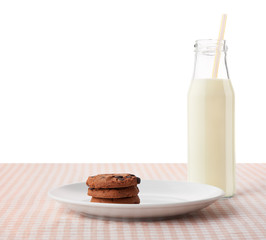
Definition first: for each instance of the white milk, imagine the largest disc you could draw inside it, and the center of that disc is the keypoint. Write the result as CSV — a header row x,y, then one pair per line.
x,y
211,157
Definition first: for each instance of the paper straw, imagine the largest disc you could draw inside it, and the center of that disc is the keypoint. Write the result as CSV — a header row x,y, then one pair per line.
x,y
218,53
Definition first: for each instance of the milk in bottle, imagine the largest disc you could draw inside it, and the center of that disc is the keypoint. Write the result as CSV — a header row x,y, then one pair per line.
x,y
211,156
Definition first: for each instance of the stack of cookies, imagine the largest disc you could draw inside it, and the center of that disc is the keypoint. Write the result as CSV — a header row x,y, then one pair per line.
x,y
114,188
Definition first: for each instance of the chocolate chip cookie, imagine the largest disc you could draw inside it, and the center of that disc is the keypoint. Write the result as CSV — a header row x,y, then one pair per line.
x,y
113,180
128,200
113,192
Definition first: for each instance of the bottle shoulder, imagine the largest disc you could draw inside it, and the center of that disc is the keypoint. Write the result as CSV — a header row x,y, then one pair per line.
x,y
211,86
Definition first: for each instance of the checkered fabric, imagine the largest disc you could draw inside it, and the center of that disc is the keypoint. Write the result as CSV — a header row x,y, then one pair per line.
x,y
26,211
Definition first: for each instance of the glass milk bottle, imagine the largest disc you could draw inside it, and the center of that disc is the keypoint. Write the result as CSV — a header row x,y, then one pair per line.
x,y
211,102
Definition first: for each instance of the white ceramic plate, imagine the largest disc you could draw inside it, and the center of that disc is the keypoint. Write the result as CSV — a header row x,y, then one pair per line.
x,y
158,199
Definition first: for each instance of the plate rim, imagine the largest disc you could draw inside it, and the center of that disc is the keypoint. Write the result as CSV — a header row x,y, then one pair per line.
x,y
145,205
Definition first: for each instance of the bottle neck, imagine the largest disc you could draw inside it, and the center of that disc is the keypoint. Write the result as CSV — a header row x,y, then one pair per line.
x,y
206,54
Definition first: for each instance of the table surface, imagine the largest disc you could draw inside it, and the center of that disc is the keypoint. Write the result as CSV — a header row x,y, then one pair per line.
x,y
26,212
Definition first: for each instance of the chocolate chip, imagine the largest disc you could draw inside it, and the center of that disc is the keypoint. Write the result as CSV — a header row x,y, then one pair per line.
x,y
119,177
130,175
138,180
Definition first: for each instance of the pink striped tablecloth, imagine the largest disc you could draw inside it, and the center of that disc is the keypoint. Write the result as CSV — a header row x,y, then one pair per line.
x,y
26,212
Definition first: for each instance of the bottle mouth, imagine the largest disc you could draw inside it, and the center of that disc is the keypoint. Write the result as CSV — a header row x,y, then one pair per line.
x,y
210,46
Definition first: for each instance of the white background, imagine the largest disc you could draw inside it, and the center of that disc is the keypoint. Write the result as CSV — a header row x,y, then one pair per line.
x,y
107,81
